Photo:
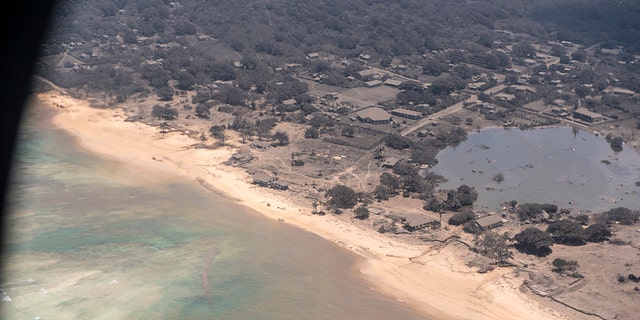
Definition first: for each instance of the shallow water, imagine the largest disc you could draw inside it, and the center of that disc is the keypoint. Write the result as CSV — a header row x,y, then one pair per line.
x,y
552,165
86,240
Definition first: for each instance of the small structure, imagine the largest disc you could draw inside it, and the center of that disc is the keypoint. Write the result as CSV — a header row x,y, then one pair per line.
x,y
313,55
586,115
237,64
374,115
405,113
260,145
490,222
390,162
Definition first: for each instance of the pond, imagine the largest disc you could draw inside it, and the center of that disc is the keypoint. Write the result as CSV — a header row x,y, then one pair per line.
x,y
572,168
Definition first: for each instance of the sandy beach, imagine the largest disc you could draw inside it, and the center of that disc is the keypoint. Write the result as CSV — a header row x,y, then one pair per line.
x,y
433,281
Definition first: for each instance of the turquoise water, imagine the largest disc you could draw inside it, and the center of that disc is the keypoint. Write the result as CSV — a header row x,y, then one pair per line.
x,y
86,240
573,169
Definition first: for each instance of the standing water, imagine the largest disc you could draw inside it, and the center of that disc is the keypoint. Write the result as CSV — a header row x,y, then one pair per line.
x,y
86,240
560,165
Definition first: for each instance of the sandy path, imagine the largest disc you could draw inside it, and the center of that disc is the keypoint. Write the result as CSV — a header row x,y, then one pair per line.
x,y
440,285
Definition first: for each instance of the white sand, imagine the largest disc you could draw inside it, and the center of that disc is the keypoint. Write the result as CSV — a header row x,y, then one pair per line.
x,y
439,284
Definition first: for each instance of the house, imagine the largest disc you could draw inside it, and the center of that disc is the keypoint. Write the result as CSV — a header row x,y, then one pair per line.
x,y
390,162
490,222
369,74
410,114
374,115
413,222
313,55
263,179
373,83
586,115
260,145
393,83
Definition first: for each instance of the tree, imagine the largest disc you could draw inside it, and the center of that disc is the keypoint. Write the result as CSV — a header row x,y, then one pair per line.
x,y
622,215
341,196
390,182
282,137
348,131
462,217
534,241
579,55
361,212
311,133
494,246
202,111
165,112
529,211
217,132
564,265
524,50
567,232
597,232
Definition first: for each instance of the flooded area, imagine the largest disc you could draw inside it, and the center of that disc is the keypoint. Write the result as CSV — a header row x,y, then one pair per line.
x,y
560,165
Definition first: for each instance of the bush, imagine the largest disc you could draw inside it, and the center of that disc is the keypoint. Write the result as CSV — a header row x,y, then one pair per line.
x,y
461,217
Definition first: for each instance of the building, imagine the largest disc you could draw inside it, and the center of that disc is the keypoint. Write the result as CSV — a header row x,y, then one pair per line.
x,y
374,115
313,55
410,114
373,83
263,179
490,222
260,145
586,115
369,74
390,162
393,83
413,222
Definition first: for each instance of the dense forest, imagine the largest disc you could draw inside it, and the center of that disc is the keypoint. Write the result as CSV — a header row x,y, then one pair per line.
x,y
128,46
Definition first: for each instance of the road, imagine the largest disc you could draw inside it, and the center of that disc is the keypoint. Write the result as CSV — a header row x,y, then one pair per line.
x,y
440,114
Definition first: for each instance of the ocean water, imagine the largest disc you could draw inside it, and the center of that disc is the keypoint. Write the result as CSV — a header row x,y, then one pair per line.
x,y
85,239
571,168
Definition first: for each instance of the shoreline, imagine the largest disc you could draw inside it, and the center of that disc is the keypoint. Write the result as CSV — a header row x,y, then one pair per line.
x,y
432,281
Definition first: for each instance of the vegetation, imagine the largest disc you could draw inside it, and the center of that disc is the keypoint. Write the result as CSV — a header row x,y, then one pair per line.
x,y
494,246
567,232
460,218
361,212
534,241
341,196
